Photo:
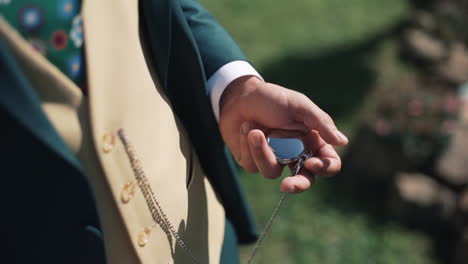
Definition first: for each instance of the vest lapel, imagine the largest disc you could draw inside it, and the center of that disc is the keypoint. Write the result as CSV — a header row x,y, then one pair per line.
x,y
124,97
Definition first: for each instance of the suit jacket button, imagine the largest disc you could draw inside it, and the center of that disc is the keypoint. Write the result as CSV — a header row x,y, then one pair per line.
x,y
108,142
128,191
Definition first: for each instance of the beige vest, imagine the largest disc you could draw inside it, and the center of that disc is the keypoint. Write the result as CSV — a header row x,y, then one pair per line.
x,y
125,106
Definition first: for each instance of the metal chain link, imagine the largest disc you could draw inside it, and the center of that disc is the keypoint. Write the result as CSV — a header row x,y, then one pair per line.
x,y
266,229
160,216
297,167
151,198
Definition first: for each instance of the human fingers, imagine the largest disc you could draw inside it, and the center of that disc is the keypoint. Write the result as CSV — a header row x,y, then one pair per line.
x,y
325,160
316,119
264,158
323,166
245,159
314,165
297,183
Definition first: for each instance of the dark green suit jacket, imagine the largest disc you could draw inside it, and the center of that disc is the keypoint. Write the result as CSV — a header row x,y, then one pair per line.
x,y
48,211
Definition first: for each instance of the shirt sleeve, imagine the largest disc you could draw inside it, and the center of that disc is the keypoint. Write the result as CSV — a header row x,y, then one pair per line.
x,y
229,72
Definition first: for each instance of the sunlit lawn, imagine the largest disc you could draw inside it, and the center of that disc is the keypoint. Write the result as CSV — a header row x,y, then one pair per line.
x,y
271,29
310,230
320,47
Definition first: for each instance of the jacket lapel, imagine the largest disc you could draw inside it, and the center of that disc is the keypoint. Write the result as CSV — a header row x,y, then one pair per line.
x,y
18,97
155,27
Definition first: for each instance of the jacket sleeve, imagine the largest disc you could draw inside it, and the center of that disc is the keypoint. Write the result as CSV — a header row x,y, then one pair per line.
x,y
216,46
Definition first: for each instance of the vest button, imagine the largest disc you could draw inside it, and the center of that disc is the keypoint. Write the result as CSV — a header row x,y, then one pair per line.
x,y
128,191
108,142
143,236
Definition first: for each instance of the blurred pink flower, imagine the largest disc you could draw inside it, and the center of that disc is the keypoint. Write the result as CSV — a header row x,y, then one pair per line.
x,y
415,107
451,104
448,126
383,127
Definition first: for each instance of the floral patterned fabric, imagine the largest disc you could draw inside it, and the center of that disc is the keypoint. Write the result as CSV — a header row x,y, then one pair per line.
x,y
53,28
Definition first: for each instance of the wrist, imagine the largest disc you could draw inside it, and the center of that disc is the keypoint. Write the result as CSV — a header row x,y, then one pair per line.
x,y
239,87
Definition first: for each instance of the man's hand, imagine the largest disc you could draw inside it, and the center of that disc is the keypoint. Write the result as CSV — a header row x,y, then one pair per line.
x,y
251,110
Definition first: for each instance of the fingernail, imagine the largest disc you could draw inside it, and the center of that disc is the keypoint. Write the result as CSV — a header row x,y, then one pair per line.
x,y
256,140
246,128
341,136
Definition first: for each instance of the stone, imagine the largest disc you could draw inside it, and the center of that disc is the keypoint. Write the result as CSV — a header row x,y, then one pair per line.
x,y
422,200
425,20
453,163
424,46
455,67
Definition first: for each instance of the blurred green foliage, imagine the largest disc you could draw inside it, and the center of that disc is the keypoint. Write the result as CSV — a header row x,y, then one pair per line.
x,y
310,229
268,29
322,48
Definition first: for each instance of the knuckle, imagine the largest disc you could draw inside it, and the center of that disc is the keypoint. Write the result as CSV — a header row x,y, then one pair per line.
x,y
248,165
238,158
338,167
303,97
332,171
326,119
250,168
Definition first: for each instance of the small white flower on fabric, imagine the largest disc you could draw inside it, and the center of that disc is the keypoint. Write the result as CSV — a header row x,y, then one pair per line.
x,y
75,66
67,9
76,31
31,18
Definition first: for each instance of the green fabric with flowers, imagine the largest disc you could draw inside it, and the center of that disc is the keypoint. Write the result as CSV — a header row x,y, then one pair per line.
x,y
54,29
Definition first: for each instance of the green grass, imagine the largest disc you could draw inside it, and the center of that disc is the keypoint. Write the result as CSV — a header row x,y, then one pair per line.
x,y
310,229
334,51
268,29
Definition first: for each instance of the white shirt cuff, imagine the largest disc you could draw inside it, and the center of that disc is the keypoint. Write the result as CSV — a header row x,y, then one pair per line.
x,y
229,72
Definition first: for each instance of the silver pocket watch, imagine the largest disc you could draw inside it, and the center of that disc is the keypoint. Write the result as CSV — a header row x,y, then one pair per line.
x,y
286,150
289,151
